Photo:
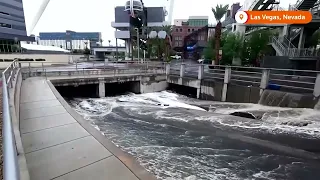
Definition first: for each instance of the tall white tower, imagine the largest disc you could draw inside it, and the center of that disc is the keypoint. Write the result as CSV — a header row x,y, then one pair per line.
x,y
170,13
36,19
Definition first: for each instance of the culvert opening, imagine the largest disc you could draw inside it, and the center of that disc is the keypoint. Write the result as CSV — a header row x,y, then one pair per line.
x,y
121,88
83,91
183,90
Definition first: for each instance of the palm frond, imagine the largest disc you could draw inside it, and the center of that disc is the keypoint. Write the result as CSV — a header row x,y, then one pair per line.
x,y
220,11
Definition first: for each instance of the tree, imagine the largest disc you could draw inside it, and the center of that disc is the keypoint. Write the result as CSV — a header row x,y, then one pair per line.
x,y
232,48
258,45
218,13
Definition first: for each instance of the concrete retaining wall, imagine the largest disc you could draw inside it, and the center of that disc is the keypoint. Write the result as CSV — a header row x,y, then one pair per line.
x,y
14,102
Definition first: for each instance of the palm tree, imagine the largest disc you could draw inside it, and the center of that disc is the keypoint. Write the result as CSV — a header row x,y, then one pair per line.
x,y
218,13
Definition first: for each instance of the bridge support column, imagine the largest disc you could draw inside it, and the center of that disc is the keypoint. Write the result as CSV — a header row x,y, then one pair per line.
x,y
200,77
102,89
167,69
316,89
182,68
200,71
227,76
264,80
302,38
128,48
285,31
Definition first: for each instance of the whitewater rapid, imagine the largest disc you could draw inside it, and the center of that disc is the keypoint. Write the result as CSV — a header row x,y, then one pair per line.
x,y
273,119
153,127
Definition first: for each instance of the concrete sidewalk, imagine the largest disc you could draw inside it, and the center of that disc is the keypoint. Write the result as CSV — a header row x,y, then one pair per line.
x,y
57,146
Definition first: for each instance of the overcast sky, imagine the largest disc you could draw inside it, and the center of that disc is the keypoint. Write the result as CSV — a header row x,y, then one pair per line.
x,y
97,15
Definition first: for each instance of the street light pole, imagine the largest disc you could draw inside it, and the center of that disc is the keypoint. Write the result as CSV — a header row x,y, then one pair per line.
x,y
138,44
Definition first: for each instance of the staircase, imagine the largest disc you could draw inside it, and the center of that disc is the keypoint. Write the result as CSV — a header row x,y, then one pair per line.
x,y
305,5
286,48
262,5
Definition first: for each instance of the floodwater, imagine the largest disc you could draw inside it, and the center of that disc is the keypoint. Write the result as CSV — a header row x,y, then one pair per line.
x,y
174,138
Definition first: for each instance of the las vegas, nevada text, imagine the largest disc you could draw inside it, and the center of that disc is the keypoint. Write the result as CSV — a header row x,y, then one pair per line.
x,y
277,18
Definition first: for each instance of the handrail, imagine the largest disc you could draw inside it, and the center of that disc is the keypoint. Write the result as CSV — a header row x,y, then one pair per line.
x,y
10,162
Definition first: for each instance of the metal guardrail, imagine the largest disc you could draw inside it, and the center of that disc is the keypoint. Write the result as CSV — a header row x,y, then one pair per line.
x,y
290,79
145,68
10,161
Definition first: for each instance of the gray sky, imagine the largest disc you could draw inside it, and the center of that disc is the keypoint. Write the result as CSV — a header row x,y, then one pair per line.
x,y
97,15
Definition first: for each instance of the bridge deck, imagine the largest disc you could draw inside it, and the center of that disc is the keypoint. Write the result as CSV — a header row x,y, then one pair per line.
x,y
58,146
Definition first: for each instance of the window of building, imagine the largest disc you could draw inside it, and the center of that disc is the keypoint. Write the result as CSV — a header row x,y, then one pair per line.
x,y
180,30
5,25
177,30
188,30
192,30
176,43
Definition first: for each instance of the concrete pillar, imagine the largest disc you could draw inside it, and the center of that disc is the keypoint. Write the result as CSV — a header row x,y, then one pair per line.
x,y
316,89
200,71
182,68
102,89
167,69
264,80
285,31
227,76
198,93
302,38
128,48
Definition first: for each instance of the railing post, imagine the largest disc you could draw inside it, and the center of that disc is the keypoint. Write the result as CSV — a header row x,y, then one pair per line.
x,y
182,68
227,77
167,69
316,89
200,71
264,80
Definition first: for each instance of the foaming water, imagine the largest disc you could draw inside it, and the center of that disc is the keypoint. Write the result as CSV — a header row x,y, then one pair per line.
x,y
158,129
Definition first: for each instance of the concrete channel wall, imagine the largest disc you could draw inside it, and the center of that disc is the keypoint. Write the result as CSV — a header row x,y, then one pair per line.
x,y
14,101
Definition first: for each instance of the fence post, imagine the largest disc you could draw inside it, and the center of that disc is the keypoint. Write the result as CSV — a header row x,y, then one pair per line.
x,y
227,76
200,71
182,68
264,80
167,69
316,89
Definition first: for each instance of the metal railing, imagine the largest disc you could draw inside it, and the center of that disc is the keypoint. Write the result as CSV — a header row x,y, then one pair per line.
x,y
288,79
10,162
294,52
92,70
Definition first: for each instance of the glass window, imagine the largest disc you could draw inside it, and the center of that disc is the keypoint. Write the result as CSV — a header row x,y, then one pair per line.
x,y
188,30
180,30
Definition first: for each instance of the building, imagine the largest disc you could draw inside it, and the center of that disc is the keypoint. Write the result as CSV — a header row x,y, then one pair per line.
x,y
70,40
195,42
155,18
12,25
183,28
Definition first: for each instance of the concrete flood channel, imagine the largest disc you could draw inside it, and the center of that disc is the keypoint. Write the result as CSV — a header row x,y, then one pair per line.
x,y
178,137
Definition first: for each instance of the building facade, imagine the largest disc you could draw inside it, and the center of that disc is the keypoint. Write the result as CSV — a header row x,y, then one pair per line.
x,y
70,40
12,25
195,43
182,28
155,18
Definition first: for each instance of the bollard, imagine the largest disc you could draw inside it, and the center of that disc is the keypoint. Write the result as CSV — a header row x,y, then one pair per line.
x,y
182,68
200,71
227,76
264,80
316,89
